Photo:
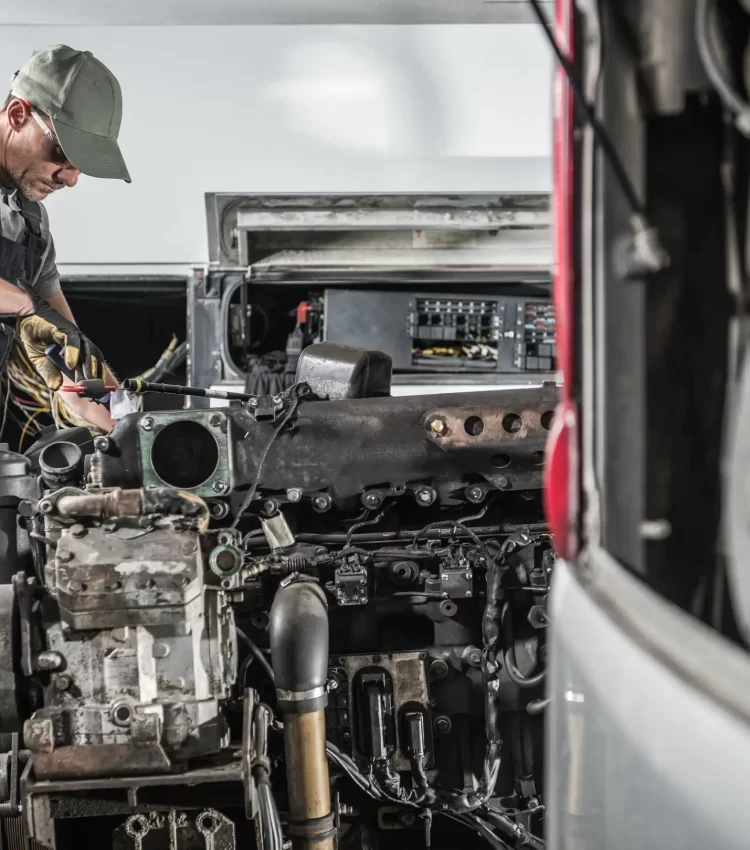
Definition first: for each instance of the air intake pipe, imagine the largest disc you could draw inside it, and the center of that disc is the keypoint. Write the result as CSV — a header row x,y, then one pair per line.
x,y
299,655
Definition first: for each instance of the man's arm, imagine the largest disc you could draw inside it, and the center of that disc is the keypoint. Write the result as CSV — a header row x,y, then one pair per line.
x,y
14,301
92,413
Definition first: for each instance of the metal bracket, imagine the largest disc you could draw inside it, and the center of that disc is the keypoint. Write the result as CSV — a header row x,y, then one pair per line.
x,y
11,808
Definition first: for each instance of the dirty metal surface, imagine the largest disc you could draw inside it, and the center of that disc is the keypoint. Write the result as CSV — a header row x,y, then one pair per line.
x,y
409,676
10,651
118,578
166,449
209,830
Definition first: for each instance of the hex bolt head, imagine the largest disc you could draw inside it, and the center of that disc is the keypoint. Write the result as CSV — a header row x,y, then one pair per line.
x,y
144,584
64,557
181,581
78,530
101,444
503,483
437,426
147,423
425,495
294,494
75,586
219,487
215,420
321,503
112,586
476,493
442,725
189,547
372,500
63,682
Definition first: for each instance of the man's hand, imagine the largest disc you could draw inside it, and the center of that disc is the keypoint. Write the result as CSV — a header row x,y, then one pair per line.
x,y
48,327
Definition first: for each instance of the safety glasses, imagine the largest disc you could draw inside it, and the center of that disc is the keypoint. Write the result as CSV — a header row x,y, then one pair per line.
x,y
57,155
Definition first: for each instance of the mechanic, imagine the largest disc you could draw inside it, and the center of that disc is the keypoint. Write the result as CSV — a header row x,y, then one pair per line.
x,y
60,120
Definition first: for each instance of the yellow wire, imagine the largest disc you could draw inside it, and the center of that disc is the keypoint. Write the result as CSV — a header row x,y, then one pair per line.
x,y
28,422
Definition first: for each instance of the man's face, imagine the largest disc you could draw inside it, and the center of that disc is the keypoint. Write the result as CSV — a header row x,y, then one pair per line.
x,y
35,162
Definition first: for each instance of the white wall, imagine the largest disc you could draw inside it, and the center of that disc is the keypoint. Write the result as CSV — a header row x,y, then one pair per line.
x,y
295,109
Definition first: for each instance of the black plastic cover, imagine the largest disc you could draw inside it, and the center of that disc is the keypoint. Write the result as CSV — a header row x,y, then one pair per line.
x,y
335,371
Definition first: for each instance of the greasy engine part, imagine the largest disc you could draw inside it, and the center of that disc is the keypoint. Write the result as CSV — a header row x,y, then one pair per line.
x,y
327,628
342,448
137,686
299,653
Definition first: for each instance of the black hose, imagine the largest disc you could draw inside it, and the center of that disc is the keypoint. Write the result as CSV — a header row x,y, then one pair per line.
x,y
299,645
516,676
509,657
257,654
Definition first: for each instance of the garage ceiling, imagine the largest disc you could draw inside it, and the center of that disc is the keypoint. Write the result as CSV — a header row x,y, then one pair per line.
x,y
263,12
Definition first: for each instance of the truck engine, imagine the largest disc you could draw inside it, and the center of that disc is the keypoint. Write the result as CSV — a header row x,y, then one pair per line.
x,y
306,620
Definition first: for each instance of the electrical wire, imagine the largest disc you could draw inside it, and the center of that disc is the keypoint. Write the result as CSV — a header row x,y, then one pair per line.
x,y
5,406
264,454
600,134
257,654
28,423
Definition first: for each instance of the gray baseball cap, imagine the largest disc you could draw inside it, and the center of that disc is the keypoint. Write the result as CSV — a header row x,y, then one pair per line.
x,y
84,101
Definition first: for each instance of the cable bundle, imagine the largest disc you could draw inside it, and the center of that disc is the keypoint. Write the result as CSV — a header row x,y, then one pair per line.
x,y
26,399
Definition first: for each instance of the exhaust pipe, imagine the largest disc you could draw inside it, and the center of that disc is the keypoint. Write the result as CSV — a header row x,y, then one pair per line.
x,y
299,654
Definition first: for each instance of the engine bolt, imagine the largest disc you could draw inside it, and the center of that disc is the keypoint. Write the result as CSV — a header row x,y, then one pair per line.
x,y
372,500
111,586
407,819
144,584
181,581
294,494
321,503
437,426
438,669
62,683
219,510
476,493
147,423
75,586
189,547
160,650
45,507
425,495
270,507
215,420
474,658
469,593
442,725
49,660
101,444
65,557
219,486
503,483
78,530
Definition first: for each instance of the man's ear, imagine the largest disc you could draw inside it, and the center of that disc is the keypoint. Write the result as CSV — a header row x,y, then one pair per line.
x,y
17,113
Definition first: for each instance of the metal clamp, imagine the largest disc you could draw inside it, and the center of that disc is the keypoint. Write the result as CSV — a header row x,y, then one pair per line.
x,y
301,696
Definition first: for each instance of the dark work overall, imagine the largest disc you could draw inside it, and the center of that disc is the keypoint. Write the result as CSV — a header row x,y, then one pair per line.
x,y
19,264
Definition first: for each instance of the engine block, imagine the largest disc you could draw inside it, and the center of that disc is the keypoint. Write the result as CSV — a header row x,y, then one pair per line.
x,y
318,615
